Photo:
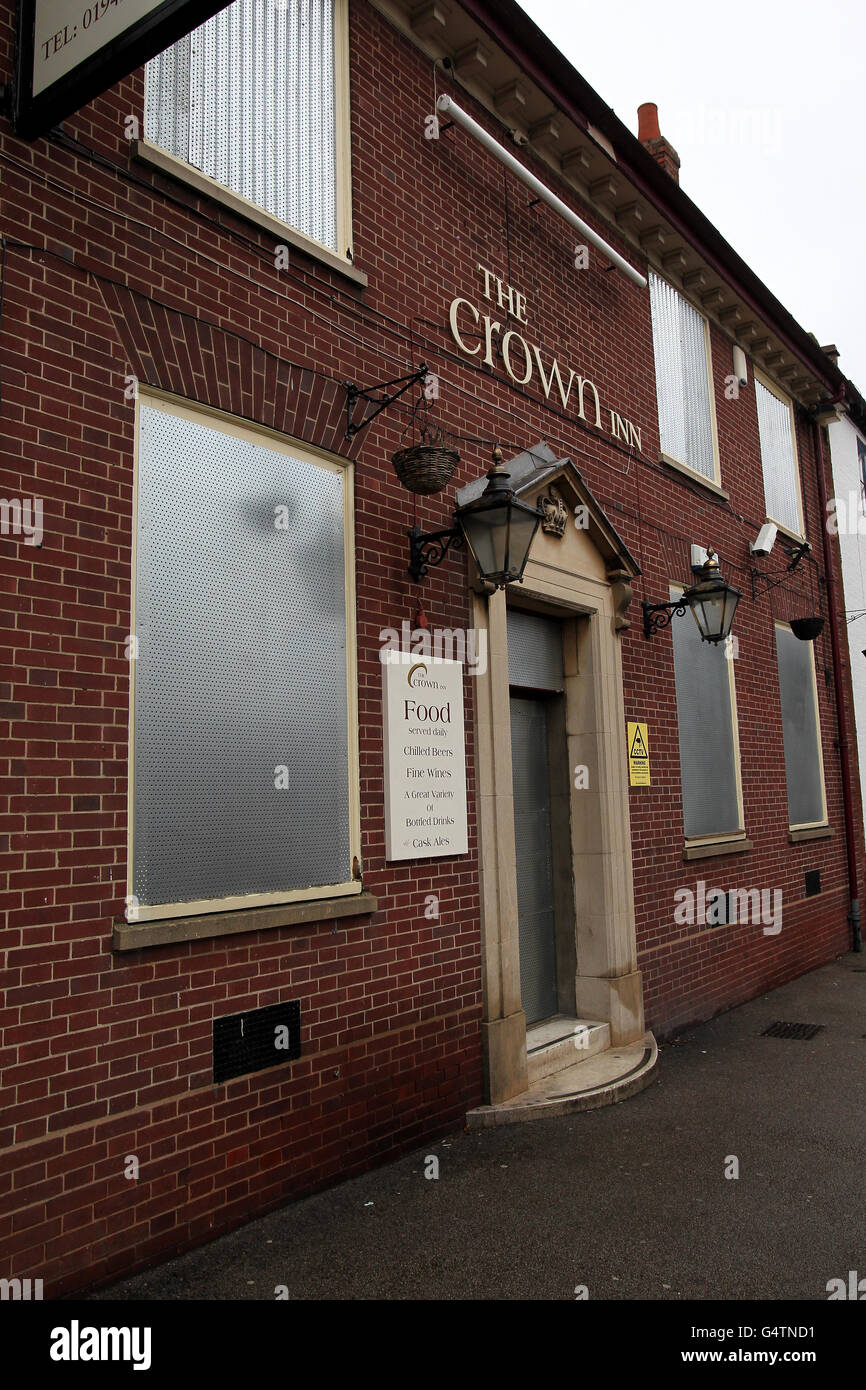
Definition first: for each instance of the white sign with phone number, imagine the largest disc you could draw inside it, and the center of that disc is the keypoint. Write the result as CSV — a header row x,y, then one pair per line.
x,y
67,32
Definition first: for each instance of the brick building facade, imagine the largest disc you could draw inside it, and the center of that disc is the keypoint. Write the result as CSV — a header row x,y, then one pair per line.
x,y
134,283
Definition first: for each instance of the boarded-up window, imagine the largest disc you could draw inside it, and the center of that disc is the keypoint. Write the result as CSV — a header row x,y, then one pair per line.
x,y
534,651
249,99
706,720
241,745
778,459
682,379
804,770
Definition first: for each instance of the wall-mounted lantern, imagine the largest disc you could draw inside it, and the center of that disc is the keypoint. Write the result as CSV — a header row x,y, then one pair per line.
x,y
497,528
711,600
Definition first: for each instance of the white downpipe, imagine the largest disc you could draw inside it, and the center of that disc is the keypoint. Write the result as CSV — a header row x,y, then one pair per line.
x,y
455,113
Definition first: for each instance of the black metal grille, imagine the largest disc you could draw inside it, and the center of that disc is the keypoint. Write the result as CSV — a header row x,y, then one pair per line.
x,y
803,1031
256,1040
813,882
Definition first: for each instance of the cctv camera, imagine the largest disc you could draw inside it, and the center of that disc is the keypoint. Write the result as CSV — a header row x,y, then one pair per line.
x,y
741,370
766,539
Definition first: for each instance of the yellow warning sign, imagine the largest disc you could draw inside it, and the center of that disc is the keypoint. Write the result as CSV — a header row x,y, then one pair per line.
x,y
638,756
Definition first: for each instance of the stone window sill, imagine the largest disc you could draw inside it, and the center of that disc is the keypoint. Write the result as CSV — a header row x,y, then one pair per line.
x,y
133,936
720,847
167,163
818,832
795,537
686,472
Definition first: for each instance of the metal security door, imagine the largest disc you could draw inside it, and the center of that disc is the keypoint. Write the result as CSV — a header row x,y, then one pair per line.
x,y
532,838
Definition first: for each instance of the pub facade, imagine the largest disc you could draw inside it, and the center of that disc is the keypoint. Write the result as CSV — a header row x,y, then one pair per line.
x,y
421,671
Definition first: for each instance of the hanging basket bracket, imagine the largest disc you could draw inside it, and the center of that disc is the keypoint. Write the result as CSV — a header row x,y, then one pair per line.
x,y
367,393
772,578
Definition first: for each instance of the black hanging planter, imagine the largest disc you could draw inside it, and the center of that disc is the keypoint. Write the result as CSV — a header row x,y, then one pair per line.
x,y
807,629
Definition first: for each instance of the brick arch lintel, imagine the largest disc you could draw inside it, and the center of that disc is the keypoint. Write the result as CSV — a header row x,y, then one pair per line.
x,y
198,361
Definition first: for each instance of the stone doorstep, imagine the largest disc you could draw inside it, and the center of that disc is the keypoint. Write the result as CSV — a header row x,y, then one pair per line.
x,y
605,1079
552,1046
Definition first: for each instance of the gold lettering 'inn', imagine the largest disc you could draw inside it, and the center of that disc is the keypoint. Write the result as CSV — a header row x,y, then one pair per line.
x,y
521,359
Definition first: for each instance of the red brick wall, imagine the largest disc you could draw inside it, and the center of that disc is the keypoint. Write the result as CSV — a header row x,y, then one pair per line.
x,y
114,269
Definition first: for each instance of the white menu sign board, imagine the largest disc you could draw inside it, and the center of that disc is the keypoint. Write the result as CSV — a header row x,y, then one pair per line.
x,y
425,757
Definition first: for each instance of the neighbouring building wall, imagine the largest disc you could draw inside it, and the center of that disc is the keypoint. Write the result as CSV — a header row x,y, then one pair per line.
x,y
847,519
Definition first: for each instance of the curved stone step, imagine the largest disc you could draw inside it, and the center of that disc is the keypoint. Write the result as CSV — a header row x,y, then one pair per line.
x,y
558,1043
605,1079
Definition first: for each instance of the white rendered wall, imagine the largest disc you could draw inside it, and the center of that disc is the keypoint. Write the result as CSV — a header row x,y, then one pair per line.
x,y
851,514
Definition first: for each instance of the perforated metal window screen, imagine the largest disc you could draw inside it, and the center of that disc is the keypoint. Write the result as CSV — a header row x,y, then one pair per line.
x,y
800,729
532,836
706,732
778,459
241,672
534,651
248,98
682,379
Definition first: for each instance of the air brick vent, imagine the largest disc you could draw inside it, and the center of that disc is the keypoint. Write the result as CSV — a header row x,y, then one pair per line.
x,y
813,882
255,1040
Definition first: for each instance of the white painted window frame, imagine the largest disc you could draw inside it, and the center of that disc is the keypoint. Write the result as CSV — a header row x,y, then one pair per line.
x,y
231,424
812,824
785,400
723,836
151,153
714,482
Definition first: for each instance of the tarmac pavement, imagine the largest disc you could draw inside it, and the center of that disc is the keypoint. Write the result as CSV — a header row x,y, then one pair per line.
x,y
630,1201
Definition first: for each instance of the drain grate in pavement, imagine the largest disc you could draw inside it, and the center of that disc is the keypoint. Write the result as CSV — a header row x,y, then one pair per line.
x,y
803,1031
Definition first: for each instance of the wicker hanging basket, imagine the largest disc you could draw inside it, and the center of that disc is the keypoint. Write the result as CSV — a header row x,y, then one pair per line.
x,y
425,467
428,465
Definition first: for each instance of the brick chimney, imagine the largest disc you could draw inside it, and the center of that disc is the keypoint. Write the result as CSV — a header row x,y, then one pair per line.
x,y
652,139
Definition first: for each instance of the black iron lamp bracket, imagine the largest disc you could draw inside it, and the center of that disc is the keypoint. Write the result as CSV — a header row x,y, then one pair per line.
x,y
771,579
430,548
367,393
659,615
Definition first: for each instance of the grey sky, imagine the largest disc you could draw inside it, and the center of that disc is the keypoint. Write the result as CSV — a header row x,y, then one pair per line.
x,y
765,103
